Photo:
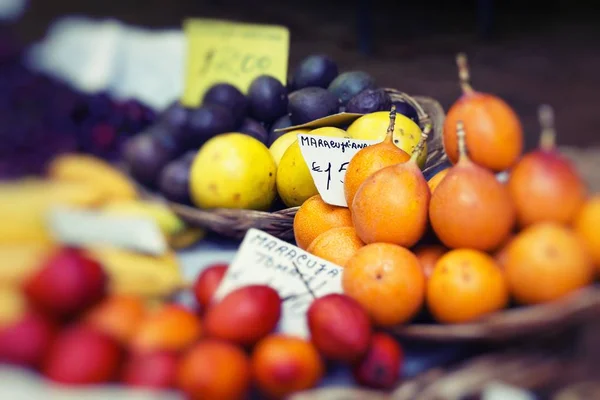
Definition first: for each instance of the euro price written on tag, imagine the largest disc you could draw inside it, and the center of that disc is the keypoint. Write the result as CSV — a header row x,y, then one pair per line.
x,y
298,276
221,51
327,159
90,228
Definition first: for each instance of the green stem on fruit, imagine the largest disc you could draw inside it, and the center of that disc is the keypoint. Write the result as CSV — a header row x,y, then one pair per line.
x,y
464,75
548,135
462,140
421,145
389,136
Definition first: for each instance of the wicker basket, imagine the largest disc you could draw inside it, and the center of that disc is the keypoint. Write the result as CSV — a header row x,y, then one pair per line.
x,y
234,223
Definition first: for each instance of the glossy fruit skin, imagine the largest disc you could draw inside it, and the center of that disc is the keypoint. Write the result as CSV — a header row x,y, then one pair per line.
x,y
471,209
495,138
25,342
348,84
402,218
268,99
387,280
315,70
311,103
245,315
337,245
174,180
381,366
67,283
339,327
155,370
214,370
233,171
208,121
407,110
81,355
546,261
368,101
436,179
368,161
540,182
255,129
146,155
228,96
283,364
171,328
117,316
465,285
315,217
428,257
280,123
207,283
586,225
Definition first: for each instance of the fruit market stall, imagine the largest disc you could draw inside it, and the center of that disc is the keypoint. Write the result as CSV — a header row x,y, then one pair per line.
x,y
304,234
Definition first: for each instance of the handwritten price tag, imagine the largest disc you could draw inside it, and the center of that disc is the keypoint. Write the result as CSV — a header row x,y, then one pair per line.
x,y
297,276
328,158
236,53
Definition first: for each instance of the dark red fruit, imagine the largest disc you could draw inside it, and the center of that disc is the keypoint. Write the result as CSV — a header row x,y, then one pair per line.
x,y
26,341
156,369
68,283
380,367
207,283
82,355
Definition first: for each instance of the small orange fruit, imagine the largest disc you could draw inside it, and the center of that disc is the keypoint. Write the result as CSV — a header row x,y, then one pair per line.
x,y
315,217
587,226
465,285
214,370
118,316
436,179
283,364
336,245
372,159
545,262
428,255
387,280
171,328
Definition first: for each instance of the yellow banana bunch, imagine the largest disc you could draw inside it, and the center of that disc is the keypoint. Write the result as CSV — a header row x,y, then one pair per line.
x,y
113,183
138,274
24,205
21,260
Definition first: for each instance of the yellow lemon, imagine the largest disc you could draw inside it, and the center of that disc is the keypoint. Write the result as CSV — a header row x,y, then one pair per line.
x,y
281,144
294,181
233,170
374,126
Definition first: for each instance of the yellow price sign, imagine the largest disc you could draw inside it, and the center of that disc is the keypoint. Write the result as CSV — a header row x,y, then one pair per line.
x,y
231,52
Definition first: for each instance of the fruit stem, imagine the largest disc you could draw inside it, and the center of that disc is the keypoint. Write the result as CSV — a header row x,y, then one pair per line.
x,y
548,135
464,75
389,136
462,140
421,145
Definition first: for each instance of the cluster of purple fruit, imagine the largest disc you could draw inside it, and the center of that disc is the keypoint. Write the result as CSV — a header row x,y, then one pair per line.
x,y
42,117
161,157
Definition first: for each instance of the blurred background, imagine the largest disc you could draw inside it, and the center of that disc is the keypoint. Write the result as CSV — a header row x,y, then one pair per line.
x,y
528,52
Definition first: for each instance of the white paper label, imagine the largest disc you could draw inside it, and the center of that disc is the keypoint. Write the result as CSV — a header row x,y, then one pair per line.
x,y
89,228
298,276
327,159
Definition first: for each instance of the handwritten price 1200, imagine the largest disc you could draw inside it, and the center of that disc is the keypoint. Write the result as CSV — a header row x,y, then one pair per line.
x,y
231,62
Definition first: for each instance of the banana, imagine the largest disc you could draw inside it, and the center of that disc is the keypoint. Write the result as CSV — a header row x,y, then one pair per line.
x,y
138,274
24,204
21,260
186,238
88,169
167,221
12,304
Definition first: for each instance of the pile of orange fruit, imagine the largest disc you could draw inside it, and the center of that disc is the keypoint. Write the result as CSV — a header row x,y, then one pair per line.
x,y
464,244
